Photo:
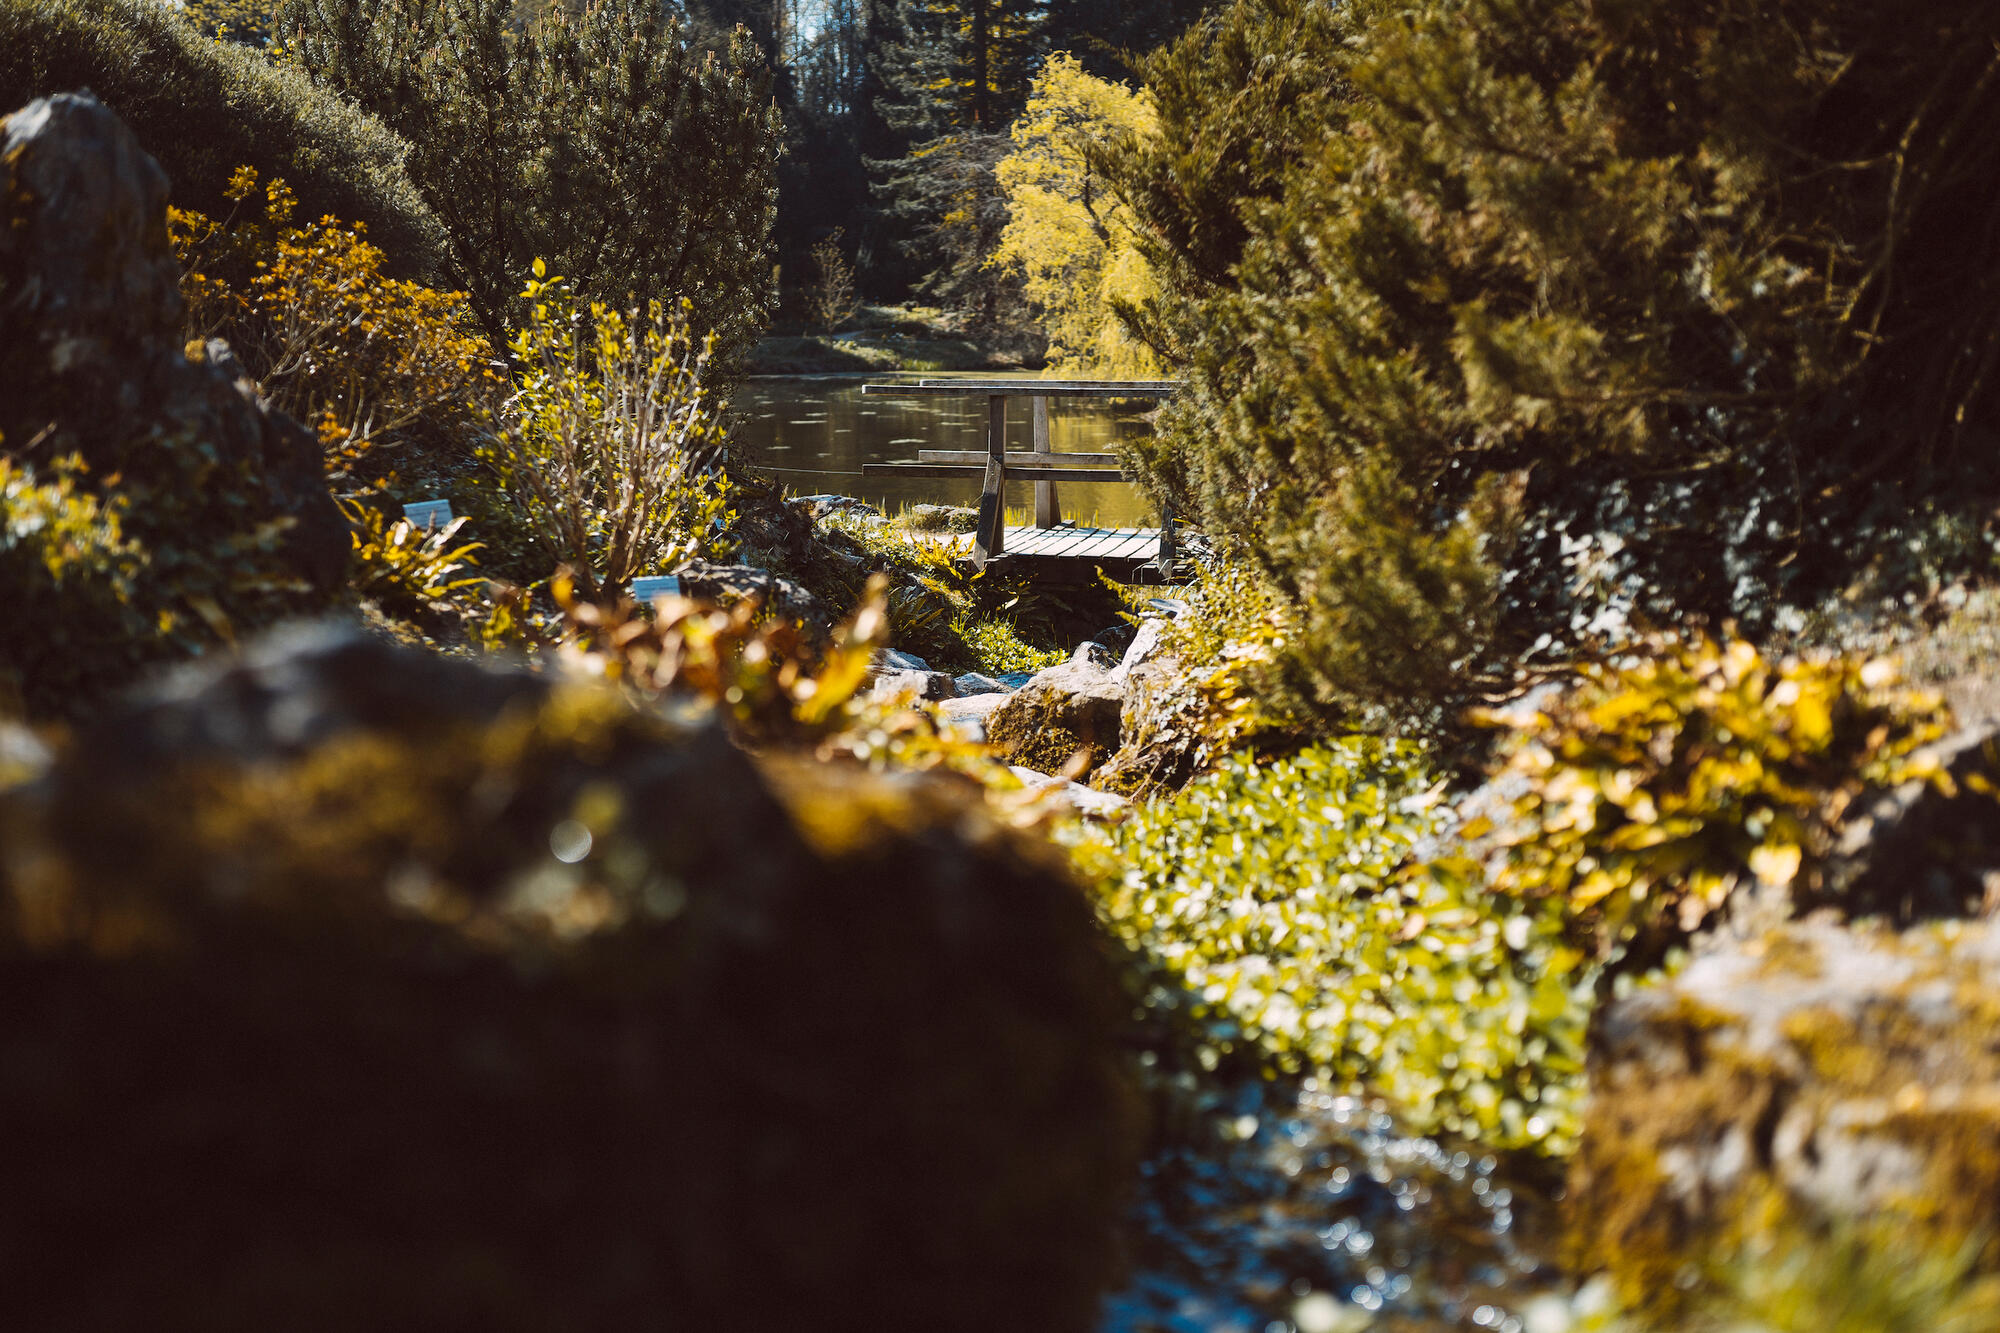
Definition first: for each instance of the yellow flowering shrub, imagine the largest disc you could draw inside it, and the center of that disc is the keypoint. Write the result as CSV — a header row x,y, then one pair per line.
x,y
367,360
608,440
1664,782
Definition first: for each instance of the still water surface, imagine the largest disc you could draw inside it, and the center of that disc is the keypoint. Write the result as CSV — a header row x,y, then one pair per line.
x,y
813,434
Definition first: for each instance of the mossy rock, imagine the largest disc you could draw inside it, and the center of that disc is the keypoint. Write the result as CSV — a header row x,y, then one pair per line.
x,y
151,504
349,986
1782,1092
1064,711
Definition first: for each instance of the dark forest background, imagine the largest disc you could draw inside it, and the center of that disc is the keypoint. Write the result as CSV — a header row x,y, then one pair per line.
x,y
896,112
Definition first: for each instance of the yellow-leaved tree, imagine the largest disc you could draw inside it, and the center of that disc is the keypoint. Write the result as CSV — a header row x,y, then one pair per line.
x,y
1071,238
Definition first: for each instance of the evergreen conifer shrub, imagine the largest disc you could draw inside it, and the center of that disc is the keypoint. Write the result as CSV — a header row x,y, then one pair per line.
x,y
204,108
600,138
1507,324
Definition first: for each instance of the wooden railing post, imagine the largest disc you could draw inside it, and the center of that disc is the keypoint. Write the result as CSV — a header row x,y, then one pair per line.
x,y
1048,510
1167,544
990,538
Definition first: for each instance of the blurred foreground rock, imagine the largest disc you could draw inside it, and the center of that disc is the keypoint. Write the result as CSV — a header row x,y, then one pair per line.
x,y
91,348
1811,1081
346,987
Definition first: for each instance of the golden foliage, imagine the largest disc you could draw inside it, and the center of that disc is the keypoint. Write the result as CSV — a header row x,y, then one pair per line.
x,y
607,439
831,296
770,678
363,358
1663,783
1071,238
407,570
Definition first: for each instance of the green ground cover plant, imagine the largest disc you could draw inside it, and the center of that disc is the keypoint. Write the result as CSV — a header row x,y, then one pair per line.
x,y
1289,912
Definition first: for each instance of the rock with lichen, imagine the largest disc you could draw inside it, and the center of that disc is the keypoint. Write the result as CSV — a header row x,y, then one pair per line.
x,y
1816,1079
347,979
92,355
1164,732
1062,712
152,504
725,585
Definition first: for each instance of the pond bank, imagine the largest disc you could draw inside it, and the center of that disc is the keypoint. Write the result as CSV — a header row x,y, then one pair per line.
x,y
892,338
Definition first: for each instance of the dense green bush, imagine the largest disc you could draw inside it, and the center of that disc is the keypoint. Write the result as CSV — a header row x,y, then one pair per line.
x,y
599,138
204,108
1286,906
1506,321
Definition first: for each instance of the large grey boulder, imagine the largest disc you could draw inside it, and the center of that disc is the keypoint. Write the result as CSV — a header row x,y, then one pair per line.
x,y
92,352
1061,712
343,976
1148,643
1163,732
726,585
1813,1076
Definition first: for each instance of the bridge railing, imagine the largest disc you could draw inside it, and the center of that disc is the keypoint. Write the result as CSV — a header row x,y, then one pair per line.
x,y
1043,466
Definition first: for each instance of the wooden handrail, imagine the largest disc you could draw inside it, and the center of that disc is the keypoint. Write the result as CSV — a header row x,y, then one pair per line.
x,y
1030,472
1037,459
1040,467
1026,389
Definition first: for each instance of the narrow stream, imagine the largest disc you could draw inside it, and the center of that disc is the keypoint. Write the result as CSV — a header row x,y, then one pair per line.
x,y
814,433
1325,1218
1319,1218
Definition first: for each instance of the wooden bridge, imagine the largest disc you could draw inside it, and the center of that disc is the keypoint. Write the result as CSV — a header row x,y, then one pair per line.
x,y
1132,555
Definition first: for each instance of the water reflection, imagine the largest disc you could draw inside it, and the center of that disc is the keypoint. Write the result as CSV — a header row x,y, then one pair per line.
x,y
1325,1219
813,434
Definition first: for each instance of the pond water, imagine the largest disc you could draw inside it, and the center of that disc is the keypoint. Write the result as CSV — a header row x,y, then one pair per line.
x,y
813,433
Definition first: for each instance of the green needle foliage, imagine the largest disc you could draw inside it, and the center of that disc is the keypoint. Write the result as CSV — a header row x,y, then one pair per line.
x,y
1448,277
597,137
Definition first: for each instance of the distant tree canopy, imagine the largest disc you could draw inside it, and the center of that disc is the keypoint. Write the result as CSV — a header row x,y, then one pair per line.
x,y
1505,323
870,90
601,138
1069,236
